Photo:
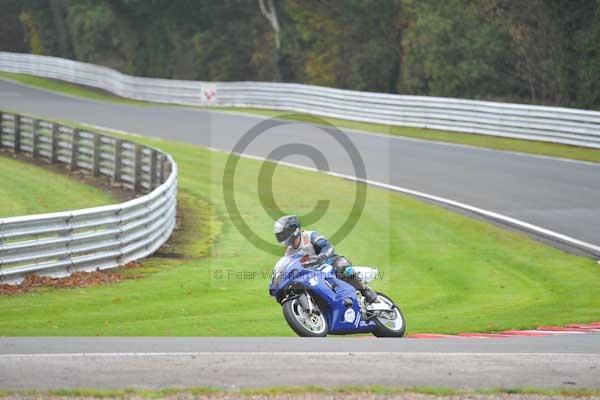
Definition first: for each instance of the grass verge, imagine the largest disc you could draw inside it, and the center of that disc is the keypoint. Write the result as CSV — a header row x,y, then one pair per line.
x,y
491,142
450,273
299,391
29,189
68,88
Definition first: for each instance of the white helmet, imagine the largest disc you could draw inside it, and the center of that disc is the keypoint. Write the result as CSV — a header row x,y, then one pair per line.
x,y
287,228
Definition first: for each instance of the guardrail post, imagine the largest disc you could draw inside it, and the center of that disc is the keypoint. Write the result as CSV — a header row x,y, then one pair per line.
x,y
161,175
17,135
119,236
1,127
54,143
167,168
96,155
137,168
1,261
68,234
153,159
35,137
74,148
117,161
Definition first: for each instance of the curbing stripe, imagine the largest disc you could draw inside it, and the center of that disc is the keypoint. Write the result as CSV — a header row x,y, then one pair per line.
x,y
571,329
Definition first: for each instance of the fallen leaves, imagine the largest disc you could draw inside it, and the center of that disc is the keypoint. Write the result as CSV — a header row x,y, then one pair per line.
x,y
75,280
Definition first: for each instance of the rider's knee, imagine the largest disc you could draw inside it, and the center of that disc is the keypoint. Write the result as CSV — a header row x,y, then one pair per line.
x,y
341,263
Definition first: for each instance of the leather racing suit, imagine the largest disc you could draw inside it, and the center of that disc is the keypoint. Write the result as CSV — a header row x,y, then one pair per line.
x,y
315,245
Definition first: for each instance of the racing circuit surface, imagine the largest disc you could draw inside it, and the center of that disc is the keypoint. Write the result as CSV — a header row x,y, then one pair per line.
x,y
560,195
562,361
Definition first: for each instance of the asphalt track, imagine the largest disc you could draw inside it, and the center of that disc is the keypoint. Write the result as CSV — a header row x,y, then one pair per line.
x,y
563,361
560,195
556,194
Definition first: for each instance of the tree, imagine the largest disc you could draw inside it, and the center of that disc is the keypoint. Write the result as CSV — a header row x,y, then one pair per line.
x,y
354,46
456,48
91,23
270,13
12,34
588,62
539,51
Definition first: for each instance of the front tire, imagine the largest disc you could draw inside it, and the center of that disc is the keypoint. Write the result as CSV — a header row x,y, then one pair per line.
x,y
389,324
305,325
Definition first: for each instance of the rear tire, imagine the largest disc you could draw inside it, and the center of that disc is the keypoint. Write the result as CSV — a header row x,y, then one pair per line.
x,y
314,325
393,328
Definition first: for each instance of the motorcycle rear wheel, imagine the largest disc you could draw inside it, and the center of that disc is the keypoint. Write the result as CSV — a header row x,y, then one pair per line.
x,y
305,325
389,327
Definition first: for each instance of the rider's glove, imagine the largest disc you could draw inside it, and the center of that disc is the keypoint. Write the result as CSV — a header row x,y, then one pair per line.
x,y
312,261
305,260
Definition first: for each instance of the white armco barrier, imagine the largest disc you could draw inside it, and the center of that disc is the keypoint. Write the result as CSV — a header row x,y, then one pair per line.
x,y
96,238
549,124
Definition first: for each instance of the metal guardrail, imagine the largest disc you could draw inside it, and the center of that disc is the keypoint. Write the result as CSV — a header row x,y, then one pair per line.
x,y
550,124
91,239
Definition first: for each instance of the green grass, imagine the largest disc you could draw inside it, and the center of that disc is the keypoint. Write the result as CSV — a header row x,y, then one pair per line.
x,y
450,273
299,391
491,142
30,189
68,88
127,393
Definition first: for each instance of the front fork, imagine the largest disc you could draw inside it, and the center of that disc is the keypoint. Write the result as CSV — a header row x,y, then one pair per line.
x,y
304,299
363,306
306,302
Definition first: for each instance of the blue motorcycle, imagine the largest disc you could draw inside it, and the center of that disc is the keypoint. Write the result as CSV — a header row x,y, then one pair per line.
x,y
316,302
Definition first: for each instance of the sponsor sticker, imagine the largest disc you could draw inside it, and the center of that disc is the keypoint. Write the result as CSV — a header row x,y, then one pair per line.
x,y
349,315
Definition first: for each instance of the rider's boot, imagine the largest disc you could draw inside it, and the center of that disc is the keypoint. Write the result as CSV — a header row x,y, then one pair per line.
x,y
369,294
343,266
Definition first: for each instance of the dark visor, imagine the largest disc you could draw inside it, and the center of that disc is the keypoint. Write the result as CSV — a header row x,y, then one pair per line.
x,y
283,235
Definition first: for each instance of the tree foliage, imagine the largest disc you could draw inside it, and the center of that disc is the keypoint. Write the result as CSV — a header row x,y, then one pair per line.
x,y
12,34
538,51
456,48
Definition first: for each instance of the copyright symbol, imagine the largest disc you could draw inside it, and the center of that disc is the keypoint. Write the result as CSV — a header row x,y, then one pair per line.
x,y
267,169
218,274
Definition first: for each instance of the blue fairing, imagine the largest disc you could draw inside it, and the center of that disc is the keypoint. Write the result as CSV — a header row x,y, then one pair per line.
x,y
321,283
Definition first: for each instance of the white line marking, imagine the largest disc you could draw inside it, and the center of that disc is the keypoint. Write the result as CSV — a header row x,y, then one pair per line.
x,y
282,353
489,214
547,233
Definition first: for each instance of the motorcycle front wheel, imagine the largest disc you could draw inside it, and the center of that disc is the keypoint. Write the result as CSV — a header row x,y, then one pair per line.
x,y
303,323
389,323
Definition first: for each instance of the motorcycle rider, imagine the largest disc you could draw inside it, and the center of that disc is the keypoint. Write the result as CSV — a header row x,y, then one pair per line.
x,y
288,232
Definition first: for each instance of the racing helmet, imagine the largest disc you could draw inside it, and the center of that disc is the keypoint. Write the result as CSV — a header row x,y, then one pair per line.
x,y
287,228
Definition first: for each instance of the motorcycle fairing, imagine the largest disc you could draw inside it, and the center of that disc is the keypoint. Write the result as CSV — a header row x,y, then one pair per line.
x,y
322,283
